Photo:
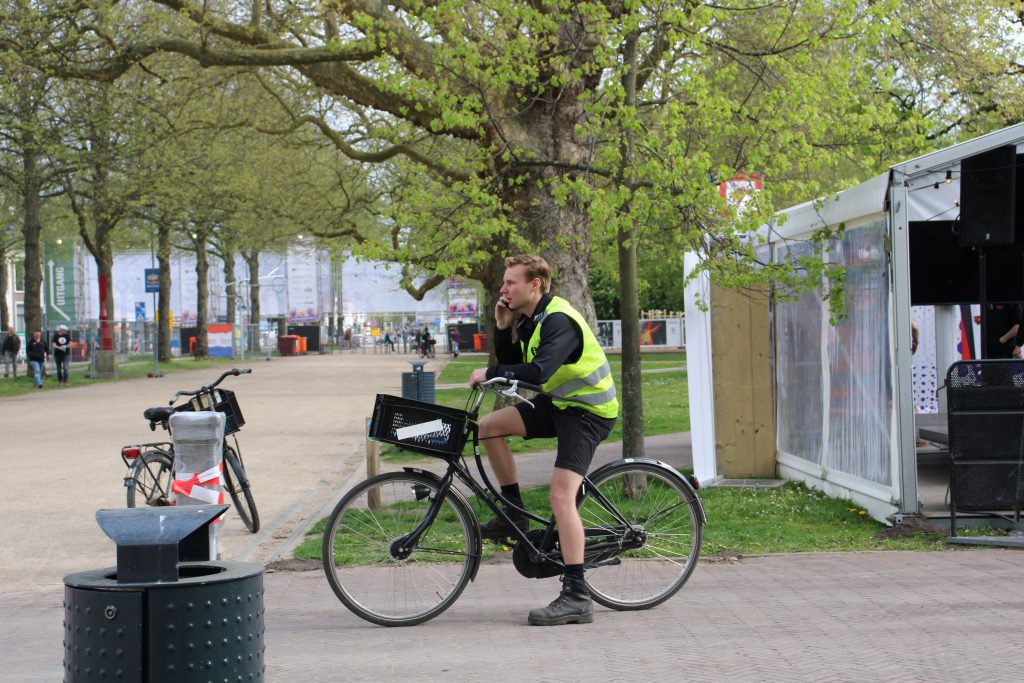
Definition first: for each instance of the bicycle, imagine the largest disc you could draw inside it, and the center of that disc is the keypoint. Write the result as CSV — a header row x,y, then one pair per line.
x,y
151,465
642,519
427,348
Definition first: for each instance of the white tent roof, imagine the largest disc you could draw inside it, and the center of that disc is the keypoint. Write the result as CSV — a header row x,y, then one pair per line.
x,y
867,200
863,201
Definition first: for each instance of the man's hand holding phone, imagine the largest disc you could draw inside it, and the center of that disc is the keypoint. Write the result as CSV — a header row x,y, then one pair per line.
x,y
503,315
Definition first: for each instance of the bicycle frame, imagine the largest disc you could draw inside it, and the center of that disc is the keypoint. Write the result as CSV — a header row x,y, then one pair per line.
x,y
498,504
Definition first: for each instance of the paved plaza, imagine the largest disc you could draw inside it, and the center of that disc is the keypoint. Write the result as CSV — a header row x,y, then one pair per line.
x,y
809,617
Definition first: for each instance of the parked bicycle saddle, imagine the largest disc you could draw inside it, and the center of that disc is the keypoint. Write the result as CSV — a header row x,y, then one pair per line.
x,y
159,414
529,567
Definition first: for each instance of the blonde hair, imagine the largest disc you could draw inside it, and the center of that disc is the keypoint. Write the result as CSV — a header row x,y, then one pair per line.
x,y
536,267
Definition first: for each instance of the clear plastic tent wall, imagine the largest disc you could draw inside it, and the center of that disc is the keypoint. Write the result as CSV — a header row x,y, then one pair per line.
x,y
835,399
860,378
798,363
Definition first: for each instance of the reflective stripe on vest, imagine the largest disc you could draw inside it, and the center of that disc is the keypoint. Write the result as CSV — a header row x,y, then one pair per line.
x,y
588,381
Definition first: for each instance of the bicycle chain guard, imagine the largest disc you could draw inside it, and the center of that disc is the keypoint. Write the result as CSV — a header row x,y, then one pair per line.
x,y
533,569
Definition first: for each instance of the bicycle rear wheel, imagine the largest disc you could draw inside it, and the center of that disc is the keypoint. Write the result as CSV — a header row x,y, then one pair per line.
x,y
237,486
150,484
667,509
373,576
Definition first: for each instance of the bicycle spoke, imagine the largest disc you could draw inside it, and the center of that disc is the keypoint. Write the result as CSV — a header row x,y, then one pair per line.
x,y
660,508
414,585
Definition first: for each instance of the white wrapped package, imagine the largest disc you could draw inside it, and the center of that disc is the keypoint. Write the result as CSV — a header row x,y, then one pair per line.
x,y
199,462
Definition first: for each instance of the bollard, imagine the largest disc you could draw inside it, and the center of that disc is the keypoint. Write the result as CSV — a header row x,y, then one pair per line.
x,y
199,461
165,612
372,467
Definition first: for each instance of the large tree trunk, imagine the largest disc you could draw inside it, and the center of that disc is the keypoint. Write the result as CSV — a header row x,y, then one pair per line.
x,y
31,230
202,297
557,229
163,315
252,262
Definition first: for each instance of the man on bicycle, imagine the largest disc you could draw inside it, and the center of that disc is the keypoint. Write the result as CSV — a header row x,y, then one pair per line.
x,y
555,348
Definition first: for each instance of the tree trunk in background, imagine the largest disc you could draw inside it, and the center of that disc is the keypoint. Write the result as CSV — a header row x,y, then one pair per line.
x,y
31,230
229,289
631,398
163,314
202,297
5,314
252,262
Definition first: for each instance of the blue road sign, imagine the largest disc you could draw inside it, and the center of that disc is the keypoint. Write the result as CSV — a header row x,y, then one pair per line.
x,y
152,280
140,310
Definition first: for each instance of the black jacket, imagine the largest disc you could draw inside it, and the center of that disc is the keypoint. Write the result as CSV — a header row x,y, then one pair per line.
x,y
36,350
12,343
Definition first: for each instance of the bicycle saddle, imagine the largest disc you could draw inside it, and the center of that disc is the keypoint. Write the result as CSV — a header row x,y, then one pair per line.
x,y
159,414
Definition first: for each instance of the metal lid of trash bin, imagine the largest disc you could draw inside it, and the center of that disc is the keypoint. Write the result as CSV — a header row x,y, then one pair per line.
x,y
152,541
417,365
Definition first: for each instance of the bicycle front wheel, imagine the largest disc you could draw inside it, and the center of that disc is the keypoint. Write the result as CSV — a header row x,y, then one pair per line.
x,y
150,483
237,486
665,512
370,571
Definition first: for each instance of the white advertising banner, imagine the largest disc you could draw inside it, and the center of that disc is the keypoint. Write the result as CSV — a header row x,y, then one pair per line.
x,y
302,285
375,287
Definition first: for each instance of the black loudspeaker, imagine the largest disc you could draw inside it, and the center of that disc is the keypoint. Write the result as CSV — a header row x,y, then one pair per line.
x,y
988,185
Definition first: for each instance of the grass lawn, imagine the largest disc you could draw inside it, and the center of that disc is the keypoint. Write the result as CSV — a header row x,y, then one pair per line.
x,y
137,366
792,518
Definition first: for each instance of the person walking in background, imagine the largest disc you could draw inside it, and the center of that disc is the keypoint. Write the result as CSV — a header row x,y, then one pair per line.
x,y
9,349
62,353
456,340
37,354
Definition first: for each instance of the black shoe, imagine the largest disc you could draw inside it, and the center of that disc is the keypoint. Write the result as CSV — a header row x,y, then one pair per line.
x,y
497,528
572,606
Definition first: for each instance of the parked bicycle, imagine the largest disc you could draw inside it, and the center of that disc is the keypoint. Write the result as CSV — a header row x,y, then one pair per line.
x,y
151,465
400,547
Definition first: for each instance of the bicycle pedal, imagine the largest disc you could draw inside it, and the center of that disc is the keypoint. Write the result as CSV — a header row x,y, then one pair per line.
x,y
507,541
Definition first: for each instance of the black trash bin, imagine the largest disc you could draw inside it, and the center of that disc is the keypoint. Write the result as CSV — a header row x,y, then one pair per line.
x,y
418,385
166,612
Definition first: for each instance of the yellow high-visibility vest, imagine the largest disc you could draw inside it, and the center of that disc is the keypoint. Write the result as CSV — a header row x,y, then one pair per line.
x,y
588,381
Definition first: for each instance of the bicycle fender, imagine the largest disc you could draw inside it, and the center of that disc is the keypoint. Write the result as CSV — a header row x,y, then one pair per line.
x,y
455,493
661,465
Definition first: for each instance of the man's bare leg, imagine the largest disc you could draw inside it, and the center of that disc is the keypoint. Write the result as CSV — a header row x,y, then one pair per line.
x,y
574,604
564,485
493,428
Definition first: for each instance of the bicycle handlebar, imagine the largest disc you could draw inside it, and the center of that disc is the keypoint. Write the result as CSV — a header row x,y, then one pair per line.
x,y
513,388
233,372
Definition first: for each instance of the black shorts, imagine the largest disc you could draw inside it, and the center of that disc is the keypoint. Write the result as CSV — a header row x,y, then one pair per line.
x,y
579,431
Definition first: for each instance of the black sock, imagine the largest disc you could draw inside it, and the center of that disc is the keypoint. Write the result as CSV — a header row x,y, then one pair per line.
x,y
511,493
574,570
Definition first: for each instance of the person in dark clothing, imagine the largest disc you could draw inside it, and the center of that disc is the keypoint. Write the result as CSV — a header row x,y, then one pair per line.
x,y
9,351
37,354
1003,330
62,353
456,340
555,349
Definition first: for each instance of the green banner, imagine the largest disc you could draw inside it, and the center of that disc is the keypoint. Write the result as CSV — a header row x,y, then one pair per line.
x,y
59,284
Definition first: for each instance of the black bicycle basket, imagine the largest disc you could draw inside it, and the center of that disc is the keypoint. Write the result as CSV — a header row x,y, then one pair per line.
x,y
224,401
420,427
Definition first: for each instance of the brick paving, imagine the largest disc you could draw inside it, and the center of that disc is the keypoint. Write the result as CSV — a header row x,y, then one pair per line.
x,y
806,617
